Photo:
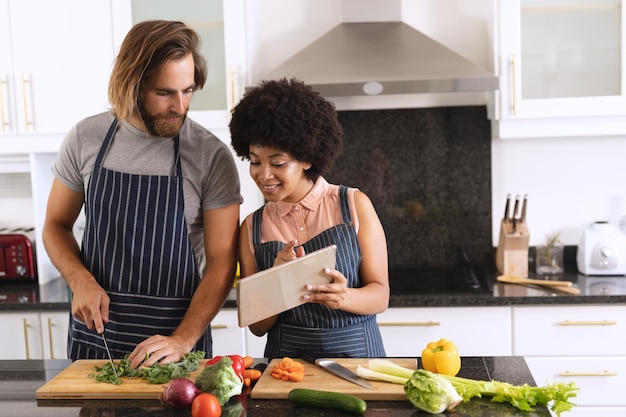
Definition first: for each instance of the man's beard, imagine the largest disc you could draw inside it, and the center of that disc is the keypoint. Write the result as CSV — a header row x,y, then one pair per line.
x,y
158,125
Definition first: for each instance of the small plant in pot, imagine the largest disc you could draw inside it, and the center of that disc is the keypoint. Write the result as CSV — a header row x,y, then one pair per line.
x,y
550,256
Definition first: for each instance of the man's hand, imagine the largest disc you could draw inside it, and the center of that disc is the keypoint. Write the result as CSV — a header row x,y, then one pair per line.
x,y
157,348
90,304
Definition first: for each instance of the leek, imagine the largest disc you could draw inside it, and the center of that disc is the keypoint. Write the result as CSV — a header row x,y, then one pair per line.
x,y
367,373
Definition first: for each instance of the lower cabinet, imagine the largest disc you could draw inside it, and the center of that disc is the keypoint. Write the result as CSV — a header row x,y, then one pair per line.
x,y
580,344
35,335
476,331
228,337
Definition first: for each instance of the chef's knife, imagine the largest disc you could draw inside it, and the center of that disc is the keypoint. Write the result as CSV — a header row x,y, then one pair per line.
x,y
336,369
524,203
514,215
106,346
507,207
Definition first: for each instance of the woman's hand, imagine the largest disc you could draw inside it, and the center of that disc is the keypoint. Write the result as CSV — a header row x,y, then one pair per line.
x,y
333,294
289,253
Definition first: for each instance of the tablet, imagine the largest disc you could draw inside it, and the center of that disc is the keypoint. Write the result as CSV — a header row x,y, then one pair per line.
x,y
280,288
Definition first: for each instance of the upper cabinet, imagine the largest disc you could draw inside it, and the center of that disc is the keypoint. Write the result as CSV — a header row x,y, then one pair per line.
x,y
220,25
561,68
56,60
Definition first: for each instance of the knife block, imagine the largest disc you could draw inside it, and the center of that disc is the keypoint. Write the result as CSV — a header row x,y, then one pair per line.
x,y
512,251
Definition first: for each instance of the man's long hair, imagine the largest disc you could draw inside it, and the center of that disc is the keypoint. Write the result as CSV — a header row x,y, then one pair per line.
x,y
146,47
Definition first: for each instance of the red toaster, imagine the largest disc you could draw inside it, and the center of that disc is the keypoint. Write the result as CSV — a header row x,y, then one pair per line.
x,y
16,257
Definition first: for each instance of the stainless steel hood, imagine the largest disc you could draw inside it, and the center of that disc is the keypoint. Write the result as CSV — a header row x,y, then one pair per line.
x,y
378,58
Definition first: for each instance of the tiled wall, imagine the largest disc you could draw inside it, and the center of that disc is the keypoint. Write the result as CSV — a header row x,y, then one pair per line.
x,y
428,173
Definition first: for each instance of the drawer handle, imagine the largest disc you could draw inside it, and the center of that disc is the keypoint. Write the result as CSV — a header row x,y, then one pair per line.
x,y
50,338
26,326
219,326
407,324
588,323
602,373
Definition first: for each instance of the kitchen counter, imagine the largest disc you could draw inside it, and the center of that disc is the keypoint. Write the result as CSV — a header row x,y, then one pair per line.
x,y
20,379
594,290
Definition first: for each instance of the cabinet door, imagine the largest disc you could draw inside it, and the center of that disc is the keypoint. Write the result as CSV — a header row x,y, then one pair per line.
x,y
561,58
62,53
54,329
484,331
255,346
25,331
599,379
220,25
228,337
592,330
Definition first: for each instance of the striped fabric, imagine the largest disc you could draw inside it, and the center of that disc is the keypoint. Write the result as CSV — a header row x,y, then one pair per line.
x,y
136,246
315,327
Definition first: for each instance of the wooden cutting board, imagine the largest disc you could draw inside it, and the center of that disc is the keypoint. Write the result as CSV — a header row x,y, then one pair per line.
x,y
318,378
74,383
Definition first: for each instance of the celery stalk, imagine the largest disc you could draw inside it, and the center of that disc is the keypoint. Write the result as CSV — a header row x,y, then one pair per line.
x,y
367,373
388,367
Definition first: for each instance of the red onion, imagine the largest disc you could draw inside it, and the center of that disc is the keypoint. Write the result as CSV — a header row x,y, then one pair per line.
x,y
179,393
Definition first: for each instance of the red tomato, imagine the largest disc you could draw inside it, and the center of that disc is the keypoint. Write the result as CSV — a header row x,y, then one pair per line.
x,y
238,365
206,405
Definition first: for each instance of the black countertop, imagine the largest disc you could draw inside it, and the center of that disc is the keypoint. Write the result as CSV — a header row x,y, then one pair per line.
x,y
20,379
54,296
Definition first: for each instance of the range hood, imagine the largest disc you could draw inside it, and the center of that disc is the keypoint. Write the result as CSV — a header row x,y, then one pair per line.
x,y
382,58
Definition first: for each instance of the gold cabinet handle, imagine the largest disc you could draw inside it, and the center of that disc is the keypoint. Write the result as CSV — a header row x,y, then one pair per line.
x,y
219,326
27,120
409,323
26,326
588,323
513,86
601,373
50,338
3,85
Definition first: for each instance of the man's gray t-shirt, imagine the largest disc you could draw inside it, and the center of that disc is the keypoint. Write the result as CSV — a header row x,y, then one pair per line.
x,y
210,178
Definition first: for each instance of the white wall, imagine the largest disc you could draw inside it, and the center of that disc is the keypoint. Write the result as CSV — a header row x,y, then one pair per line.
x,y
570,183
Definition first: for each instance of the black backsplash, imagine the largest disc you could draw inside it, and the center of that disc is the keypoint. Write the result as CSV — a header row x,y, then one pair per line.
x,y
428,174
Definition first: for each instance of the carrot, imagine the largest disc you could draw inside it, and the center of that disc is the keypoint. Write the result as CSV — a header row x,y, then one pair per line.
x,y
288,370
248,361
247,382
252,374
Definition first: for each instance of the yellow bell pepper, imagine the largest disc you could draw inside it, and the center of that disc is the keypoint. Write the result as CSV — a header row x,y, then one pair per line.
x,y
441,357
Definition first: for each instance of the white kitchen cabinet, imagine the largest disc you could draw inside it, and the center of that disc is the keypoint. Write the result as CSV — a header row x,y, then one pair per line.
x,y
255,345
476,331
56,60
221,25
581,344
25,331
54,332
228,337
561,68
35,335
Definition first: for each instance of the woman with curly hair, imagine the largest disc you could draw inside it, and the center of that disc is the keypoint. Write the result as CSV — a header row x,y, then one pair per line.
x,y
291,136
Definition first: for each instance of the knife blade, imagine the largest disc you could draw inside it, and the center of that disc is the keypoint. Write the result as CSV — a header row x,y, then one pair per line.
x,y
106,346
336,369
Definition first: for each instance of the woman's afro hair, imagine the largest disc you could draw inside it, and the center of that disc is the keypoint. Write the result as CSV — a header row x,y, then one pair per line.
x,y
290,116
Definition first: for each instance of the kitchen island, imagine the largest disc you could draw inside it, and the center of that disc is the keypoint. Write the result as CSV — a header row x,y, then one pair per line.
x,y
20,379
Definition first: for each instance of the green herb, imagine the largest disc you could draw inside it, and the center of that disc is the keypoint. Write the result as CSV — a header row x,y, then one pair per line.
x,y
154,374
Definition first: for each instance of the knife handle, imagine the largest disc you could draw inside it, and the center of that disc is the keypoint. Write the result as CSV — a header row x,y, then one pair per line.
x,y
307,357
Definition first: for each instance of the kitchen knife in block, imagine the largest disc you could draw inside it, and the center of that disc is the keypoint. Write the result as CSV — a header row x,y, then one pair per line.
x,y
274,290
512,251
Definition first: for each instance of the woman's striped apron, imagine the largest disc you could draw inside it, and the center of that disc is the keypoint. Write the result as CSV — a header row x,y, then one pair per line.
x,y
136,246
316,328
